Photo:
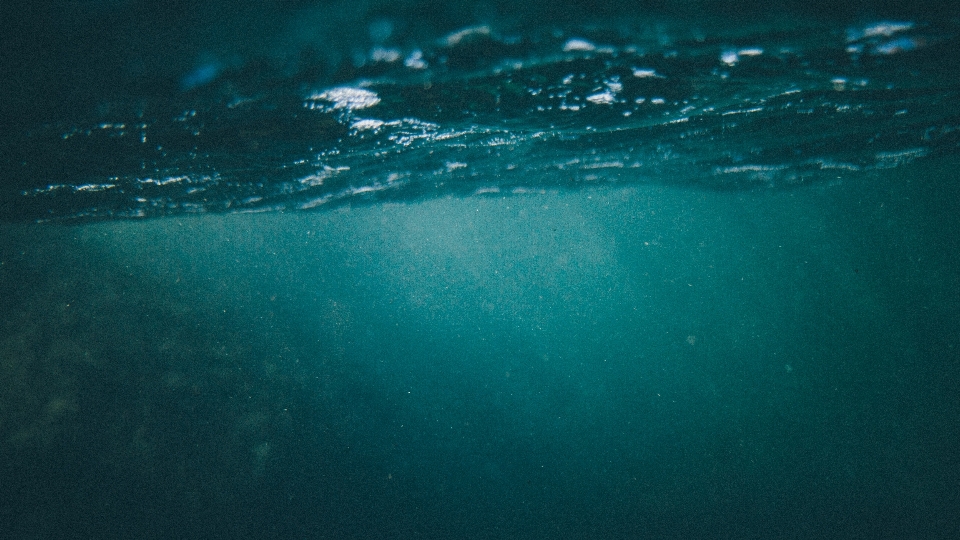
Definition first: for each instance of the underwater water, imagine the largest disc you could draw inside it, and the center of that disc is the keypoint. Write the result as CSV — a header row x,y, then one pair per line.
x,y
442,270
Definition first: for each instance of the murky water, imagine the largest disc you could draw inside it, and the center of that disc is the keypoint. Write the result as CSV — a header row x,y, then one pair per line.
x,y
665,277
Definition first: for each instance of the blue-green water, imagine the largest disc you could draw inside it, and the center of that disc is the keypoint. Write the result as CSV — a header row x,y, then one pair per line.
x,y
504,106
478,300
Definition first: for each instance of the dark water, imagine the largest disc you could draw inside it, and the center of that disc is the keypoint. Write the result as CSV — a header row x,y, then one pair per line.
x,y
718,103
445,270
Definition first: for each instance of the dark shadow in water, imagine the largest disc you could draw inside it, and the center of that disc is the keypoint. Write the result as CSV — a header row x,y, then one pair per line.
x,y
126,408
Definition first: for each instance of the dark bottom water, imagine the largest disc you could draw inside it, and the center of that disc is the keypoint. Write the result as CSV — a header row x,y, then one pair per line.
x,y
615,363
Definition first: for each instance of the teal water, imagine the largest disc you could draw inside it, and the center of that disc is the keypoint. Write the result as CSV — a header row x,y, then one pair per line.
x,y
417,269
718,102
617,362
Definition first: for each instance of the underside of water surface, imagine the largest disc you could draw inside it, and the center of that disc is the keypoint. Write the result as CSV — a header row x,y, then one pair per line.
x,y
393,110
